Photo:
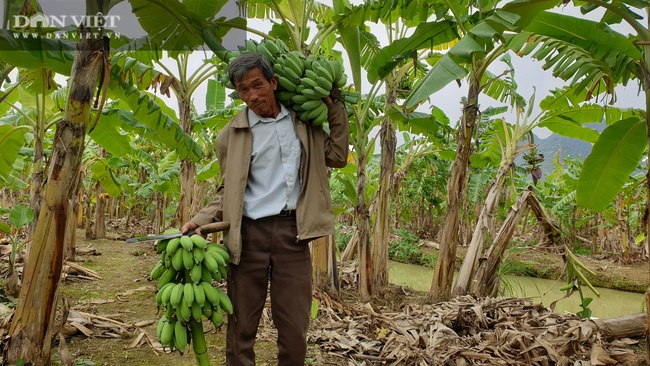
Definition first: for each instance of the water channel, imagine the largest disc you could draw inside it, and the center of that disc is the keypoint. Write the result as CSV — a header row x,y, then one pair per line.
x,y
611,303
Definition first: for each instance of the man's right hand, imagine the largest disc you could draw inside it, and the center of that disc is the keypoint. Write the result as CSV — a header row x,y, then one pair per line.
x,y
190,226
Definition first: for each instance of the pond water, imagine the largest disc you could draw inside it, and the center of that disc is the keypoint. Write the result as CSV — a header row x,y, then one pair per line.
x,y
611,303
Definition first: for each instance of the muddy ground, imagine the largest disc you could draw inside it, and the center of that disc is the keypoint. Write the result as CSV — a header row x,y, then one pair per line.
x,y
123,294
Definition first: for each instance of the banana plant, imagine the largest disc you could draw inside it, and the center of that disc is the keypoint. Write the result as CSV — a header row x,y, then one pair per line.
x,y
476,50
32,323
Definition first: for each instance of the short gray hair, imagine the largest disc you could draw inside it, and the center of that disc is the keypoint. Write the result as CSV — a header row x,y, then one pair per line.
x,y
247,62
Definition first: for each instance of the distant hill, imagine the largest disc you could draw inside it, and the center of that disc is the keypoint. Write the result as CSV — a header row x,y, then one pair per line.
x,y
568,147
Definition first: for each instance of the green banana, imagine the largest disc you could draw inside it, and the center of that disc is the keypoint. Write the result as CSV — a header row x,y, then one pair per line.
x,y
263,50
312,104
311,74
167,333
299,99
282,47
273,48
289,72
218,258
210,262
286,84
337,70
206,274
329,66
223,251
198,254
324,73
166,293
207,310
172,246
199,295
168,276
210,293
199,241
197,313
177,260
176,296
188,294
160,325
321,117
312,113
324,83
187,243
196,273
341,82
295,63
216,276
160,296
183,312
217,318
224,301
251,46
157,271
180,336
308,83
311,94
322,93
188,259
224,272
161,245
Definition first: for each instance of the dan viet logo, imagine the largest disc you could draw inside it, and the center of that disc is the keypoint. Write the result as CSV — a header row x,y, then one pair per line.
x,y
61,21
40,25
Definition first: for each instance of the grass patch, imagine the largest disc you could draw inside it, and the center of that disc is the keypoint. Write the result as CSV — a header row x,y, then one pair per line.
x,y
405,250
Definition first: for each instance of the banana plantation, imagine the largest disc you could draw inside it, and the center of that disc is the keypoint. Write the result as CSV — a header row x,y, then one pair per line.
x,y
106,135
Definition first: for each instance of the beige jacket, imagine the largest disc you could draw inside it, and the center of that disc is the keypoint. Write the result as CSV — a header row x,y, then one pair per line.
x,y
314,217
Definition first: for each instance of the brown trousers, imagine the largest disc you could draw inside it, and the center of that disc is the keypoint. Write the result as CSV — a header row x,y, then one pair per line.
x,y
270,250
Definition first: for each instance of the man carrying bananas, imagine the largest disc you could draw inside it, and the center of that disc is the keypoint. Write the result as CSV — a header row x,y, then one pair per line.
x,y
275,194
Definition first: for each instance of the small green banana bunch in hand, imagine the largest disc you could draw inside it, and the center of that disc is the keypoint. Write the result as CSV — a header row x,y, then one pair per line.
x,y
185,272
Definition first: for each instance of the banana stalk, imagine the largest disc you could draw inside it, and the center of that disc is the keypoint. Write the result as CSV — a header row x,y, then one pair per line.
x,y
198,344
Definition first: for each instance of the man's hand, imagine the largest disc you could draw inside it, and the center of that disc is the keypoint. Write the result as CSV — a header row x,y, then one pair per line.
x,y
190,226
335,96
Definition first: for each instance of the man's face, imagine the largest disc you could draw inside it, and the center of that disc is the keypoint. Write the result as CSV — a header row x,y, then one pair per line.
x,y
259,93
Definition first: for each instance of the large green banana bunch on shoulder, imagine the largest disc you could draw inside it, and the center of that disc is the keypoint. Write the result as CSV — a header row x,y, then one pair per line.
x,y
303,80
188,265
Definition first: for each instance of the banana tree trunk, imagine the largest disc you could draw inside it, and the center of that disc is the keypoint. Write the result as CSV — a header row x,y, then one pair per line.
x,y
159,215
36,185
485,283
622,229
188,169
31,327
484,223
382,215
444,270
325,271
362,212
100,206
69,251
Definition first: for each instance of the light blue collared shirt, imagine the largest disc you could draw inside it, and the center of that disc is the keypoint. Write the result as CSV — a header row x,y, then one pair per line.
x,y
275,160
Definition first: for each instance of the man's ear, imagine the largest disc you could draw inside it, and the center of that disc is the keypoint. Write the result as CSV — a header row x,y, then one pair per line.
x,y
274,82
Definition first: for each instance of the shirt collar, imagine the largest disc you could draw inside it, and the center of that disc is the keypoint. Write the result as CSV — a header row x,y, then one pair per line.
x,y
253,118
